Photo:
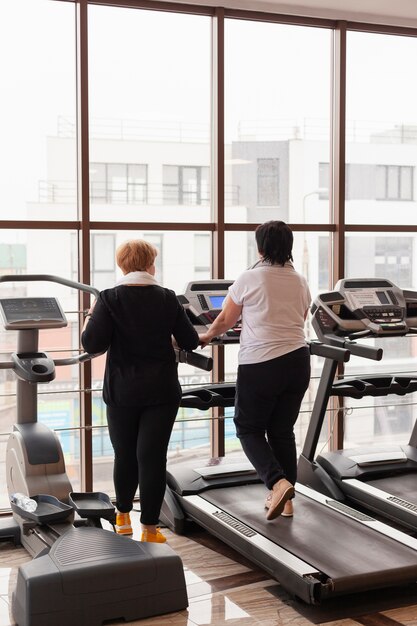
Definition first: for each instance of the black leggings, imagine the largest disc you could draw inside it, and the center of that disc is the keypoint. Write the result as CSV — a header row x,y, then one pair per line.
x,y
140,438
268,400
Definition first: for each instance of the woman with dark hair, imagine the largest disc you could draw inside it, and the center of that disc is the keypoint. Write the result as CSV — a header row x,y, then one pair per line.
x,y
135,322
272,300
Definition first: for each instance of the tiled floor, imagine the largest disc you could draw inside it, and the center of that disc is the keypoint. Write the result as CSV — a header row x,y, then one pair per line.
x,y
226,590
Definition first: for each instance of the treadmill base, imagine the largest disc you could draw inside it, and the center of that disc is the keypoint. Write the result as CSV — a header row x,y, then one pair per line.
x,y
91,575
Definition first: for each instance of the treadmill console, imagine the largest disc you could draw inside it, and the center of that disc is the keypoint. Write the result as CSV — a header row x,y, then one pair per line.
x,y
203,301
31,313
365,307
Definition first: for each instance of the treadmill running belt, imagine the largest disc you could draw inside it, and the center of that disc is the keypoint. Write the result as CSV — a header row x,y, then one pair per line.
x,y
347,552
403,487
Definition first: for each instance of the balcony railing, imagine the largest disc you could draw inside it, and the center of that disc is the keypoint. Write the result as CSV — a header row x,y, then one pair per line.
x,y
65,192
312,129
139,130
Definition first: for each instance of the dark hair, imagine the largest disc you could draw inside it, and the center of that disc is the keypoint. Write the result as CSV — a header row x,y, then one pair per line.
x,y
274,240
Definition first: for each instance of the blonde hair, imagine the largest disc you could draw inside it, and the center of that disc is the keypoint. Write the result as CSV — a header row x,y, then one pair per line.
x,y
135,255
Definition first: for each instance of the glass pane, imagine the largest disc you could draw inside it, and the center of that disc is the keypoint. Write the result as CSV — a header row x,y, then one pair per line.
x,y
102,449
202,244
382,420
4,435
382,255
60,412
117,183
392,257
380,424
381,128
276,127
58,401
98,182
37,148
183,256
149,121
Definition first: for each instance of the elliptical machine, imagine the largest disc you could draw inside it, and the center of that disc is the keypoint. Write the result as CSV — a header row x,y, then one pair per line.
x,y
81,573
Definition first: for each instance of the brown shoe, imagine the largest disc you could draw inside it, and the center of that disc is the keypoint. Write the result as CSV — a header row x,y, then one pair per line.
x,y
288,509
282,491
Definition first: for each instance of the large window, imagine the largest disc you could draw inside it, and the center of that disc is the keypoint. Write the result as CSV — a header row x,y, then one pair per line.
x,y
133,131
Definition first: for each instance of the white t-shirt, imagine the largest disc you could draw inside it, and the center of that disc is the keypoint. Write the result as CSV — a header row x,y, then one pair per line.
x,y
274,301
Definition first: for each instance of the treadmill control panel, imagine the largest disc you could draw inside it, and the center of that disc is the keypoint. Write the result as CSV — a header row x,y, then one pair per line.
x,y
367,307
31,313
203,300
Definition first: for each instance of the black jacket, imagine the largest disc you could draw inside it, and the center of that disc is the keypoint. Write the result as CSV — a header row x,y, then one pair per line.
x,y
135,324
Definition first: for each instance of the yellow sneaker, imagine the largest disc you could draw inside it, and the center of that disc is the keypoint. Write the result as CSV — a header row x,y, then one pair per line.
x,y
123,525
157,537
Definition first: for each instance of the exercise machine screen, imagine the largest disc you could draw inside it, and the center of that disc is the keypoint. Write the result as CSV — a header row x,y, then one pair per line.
x,y
25,313
203,301
371,307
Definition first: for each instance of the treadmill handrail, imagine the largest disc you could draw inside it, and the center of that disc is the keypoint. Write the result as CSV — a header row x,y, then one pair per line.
x,y
340,354
70,360
357,349
11,278
200,361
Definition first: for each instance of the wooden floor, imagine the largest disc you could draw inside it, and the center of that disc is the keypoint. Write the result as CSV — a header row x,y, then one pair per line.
x,y
226,590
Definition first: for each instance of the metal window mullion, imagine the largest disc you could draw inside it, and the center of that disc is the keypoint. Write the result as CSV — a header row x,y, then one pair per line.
x,y
86,448
217,430
338,196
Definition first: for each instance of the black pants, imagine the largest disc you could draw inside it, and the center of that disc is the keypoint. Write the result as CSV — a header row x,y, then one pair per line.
x,y
268,400
140,438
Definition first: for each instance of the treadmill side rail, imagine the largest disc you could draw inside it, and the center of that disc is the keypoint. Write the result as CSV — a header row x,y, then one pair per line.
x,y
393,507
380,527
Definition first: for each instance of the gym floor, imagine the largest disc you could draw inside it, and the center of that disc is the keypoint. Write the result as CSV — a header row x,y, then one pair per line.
x,y
225,589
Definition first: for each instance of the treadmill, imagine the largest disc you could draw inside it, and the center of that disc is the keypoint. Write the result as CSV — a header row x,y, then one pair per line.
x,y
381,478
327,549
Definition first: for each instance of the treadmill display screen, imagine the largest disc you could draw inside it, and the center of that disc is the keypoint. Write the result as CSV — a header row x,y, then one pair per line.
x,y
362,297
383,298
217,301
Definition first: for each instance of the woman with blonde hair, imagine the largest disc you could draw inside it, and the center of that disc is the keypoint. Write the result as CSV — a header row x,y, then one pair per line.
x,y
135,322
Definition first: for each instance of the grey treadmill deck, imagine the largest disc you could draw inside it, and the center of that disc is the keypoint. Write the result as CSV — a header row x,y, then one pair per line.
x,y
402,486
350,553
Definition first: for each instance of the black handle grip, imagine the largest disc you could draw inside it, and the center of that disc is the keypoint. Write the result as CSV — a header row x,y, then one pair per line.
x,y
367,352
329,352
358,349
193,358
